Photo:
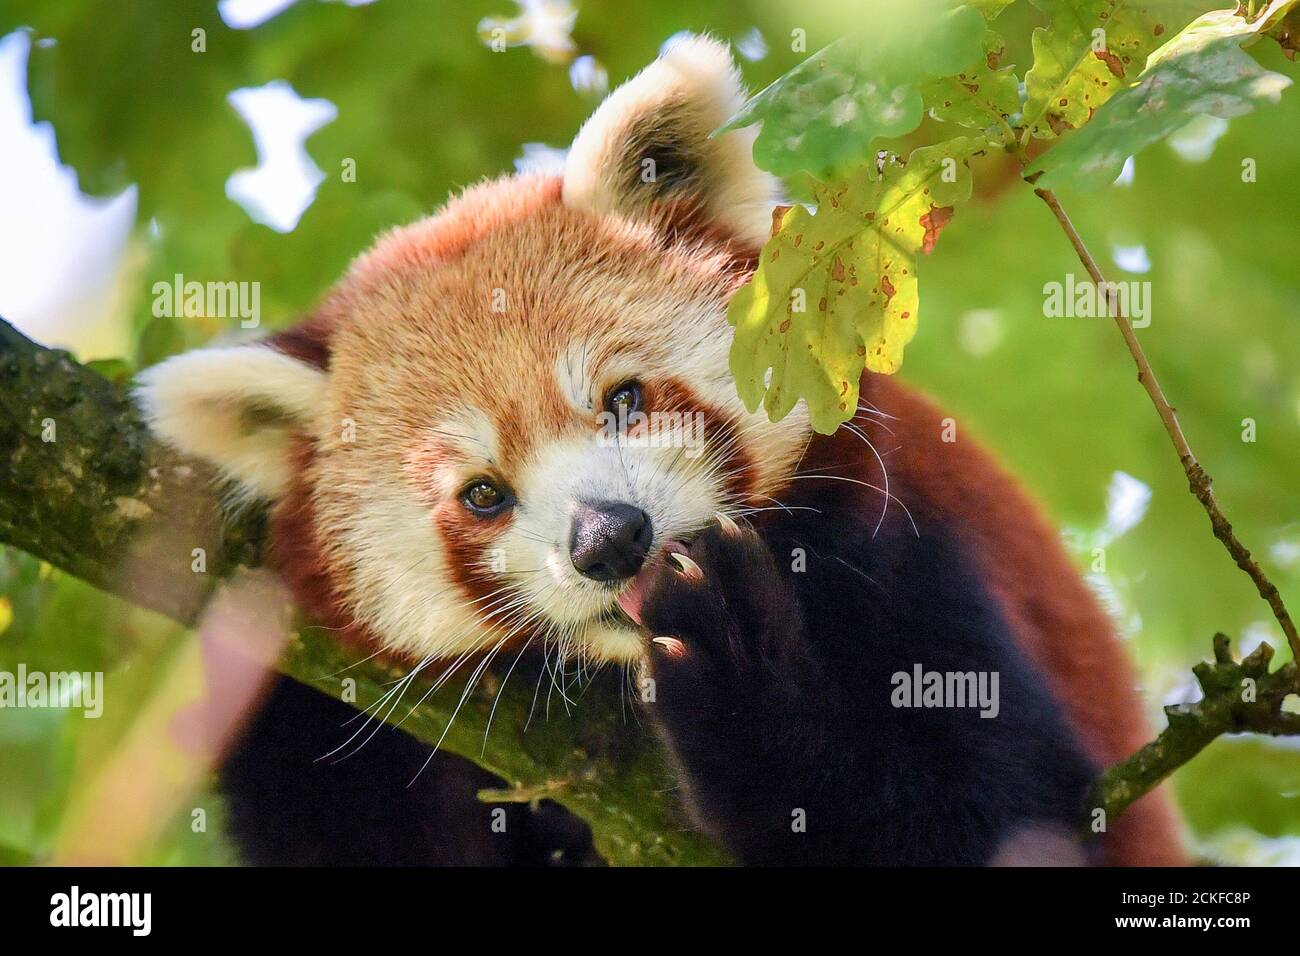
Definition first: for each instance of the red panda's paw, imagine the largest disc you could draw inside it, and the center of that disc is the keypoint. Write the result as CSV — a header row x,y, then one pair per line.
x,y
720,610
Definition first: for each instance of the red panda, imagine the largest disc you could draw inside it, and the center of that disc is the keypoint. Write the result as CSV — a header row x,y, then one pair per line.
x,y
430,441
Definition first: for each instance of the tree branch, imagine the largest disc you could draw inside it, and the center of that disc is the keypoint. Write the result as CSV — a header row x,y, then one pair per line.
x,y
1198,478
84,486
1226,707
1237,697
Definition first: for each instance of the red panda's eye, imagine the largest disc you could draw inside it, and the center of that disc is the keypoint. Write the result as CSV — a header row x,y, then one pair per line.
x,y
624,399
485,498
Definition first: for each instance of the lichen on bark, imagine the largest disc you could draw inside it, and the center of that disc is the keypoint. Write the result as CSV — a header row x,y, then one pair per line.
x,y
1236,697
84,487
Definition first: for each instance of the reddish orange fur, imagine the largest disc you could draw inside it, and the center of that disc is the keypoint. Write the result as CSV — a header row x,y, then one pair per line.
x,y
297,556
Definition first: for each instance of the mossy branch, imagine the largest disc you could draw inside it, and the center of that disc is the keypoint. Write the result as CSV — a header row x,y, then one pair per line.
x,y
84,486
1237,697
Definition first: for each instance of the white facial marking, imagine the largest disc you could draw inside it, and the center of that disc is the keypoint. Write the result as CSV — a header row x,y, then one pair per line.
x,y
678,493
400,582
574,377
471,435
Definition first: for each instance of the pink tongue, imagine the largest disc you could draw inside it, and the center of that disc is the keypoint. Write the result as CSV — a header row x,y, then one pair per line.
x,y
630,599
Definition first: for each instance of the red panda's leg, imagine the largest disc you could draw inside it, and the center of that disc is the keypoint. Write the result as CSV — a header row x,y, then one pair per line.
x,y
777,693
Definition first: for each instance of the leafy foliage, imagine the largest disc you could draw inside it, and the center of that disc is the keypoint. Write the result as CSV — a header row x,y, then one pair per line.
x,y
1086,54
839,288
1085,62
828,110
1202,70
983,96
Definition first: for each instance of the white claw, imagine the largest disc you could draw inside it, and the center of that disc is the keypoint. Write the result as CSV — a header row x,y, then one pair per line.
x,y
671,645
727,522
684,564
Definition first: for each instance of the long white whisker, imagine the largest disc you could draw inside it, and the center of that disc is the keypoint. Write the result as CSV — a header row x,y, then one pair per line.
x,y
854,430
864,484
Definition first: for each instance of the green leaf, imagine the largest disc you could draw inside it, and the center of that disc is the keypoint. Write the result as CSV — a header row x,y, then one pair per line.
x,y
990,8
825,113
836,291
983,96
116,370
1202,70
161,337
1088,53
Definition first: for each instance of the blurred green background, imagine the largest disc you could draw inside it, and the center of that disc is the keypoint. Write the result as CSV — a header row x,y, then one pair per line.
x,y
421,106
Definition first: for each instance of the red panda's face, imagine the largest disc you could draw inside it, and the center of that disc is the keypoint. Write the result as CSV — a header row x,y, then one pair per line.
x,y
530,421
526,395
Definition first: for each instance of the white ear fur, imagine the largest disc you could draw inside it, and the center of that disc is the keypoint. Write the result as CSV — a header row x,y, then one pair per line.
x,y
206,403
669,109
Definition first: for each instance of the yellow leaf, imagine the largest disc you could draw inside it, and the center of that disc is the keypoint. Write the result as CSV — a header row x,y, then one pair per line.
x,y
836,292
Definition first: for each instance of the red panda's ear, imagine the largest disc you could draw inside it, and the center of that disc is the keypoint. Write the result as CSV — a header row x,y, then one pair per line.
x,y
647,148
236,407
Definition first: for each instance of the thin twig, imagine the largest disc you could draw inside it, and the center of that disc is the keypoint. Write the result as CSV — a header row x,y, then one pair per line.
x,y
1197,478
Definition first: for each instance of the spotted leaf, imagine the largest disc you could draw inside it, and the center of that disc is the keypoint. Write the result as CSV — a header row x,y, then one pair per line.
x,y
985,95
1090,51
1201,71
836,290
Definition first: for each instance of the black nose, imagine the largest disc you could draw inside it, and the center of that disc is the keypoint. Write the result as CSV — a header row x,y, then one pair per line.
x,y
609,540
